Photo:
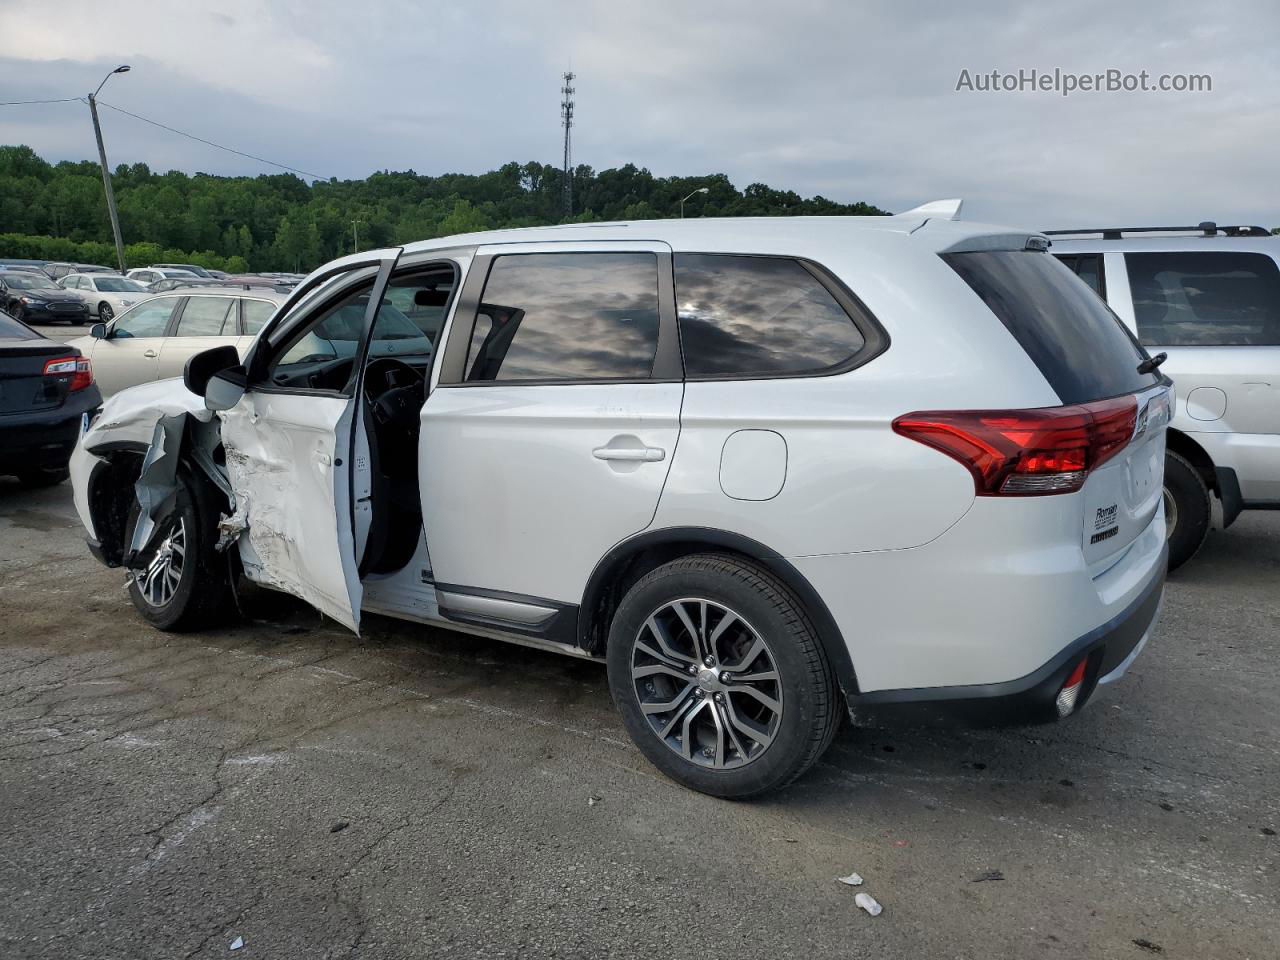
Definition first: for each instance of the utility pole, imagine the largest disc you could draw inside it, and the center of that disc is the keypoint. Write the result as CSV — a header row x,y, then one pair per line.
x,y
106,172
566,120
355,237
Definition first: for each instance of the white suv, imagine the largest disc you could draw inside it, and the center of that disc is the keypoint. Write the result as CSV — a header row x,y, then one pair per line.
x,y
1209,297
757,466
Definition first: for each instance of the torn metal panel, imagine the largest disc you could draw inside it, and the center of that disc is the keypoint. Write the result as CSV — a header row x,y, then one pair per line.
x,y
157,485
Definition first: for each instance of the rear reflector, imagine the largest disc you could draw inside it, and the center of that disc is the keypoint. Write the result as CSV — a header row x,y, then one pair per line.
x,y
1027,452
1070,691
78,369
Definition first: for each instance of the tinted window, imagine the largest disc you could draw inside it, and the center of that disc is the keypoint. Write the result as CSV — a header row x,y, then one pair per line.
x,y
1088,267
145,320
567,316
205,317
1077,342
758,316
11,329
1205,298
256,314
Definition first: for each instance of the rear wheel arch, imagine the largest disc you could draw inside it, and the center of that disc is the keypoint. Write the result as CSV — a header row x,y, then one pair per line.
x,y
635,557
1196,455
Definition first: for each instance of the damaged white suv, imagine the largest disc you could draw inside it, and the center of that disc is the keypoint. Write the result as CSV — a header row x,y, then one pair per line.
x,y
760,467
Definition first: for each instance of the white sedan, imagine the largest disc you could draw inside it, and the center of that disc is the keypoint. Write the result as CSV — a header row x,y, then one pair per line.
x,y
106,294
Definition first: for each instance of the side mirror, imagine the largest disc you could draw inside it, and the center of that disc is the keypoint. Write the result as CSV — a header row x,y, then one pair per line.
x,y
224,389
98,331
206,364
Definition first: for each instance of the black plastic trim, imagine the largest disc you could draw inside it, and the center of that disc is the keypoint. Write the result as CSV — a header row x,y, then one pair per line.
x,y
1030,698
614,562
560,627
1229,494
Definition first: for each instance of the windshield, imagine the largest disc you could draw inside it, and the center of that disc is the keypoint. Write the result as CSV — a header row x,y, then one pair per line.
x,y
118,285
21,281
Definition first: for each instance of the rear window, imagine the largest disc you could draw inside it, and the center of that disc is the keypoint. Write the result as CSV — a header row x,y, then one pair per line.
x,y
11,329
1207,298
1066,329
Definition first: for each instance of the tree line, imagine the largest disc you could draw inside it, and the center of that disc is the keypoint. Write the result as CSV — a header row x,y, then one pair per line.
x,y
56,211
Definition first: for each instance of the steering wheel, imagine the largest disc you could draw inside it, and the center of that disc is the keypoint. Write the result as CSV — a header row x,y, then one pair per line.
x,y
395,391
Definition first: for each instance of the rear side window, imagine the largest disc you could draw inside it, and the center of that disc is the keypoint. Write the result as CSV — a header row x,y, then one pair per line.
x,y
206,317
1072,336
256,314
566,316
758,317
1205,298
1088,267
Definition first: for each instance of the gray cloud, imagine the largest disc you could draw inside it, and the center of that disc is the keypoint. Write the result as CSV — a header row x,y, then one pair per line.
x,y
851,101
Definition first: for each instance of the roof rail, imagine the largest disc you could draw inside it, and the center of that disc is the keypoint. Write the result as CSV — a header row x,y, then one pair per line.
x,y
1206,228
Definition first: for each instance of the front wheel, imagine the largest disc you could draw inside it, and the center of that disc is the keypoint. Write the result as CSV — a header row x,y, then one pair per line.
x,y
1186,509
179,582
720,677
105,313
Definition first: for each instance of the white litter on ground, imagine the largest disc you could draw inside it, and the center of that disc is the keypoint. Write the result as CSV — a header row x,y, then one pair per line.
x,y
853,880
868,903
237,943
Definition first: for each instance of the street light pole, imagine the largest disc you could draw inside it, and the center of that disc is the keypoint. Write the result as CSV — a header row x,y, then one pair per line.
x,y
106,172
695,193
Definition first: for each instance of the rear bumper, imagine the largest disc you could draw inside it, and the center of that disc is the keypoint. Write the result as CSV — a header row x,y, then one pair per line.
x,y
1108,649
45,439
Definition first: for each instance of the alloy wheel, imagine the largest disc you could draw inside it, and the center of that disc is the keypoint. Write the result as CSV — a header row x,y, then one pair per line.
x,y
159,580
105,313
707,683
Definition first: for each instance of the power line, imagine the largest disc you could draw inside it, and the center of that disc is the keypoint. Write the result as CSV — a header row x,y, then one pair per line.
x,y
15,103
192,136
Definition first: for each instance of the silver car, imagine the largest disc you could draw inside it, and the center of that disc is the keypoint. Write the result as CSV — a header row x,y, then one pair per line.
x,y
153,339
1209,298
106,293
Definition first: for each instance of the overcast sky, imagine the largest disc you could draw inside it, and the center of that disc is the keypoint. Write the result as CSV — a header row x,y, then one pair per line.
x,y
856,101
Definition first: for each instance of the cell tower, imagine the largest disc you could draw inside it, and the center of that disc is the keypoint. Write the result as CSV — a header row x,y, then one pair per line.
x,y
566,120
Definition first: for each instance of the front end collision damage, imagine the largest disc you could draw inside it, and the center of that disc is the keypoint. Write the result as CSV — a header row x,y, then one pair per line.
x,y
131,455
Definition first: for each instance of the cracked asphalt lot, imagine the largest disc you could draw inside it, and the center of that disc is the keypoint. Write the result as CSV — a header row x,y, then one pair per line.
x,y
419,793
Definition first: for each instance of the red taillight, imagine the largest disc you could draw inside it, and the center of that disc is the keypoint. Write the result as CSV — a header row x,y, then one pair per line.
x,y
78,369
1027,452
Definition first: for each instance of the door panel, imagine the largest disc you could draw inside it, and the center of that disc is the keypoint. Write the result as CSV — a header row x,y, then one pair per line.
x,y
527,485
131,352
292,487
290,461
515,496
203,323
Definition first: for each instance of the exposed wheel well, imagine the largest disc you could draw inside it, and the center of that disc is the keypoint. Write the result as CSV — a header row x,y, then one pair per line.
x,y
632,559
1194,454
110,496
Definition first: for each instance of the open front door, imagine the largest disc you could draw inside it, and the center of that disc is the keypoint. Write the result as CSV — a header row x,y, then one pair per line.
x,y
291,441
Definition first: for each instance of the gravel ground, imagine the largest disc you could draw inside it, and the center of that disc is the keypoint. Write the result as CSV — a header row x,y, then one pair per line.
x,y
419,793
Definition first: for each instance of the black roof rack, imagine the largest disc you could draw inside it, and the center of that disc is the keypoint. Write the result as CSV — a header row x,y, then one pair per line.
x,y
1206,228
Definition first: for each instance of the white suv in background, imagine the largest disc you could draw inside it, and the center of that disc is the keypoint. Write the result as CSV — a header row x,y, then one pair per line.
x,y
1209,297
762,468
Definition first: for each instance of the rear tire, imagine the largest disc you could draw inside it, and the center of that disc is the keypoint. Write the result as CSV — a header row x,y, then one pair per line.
x,y
1187,509
180,582
718,737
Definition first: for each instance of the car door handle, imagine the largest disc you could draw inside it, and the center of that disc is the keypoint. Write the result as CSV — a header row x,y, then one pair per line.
x,y
643,454
150,353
